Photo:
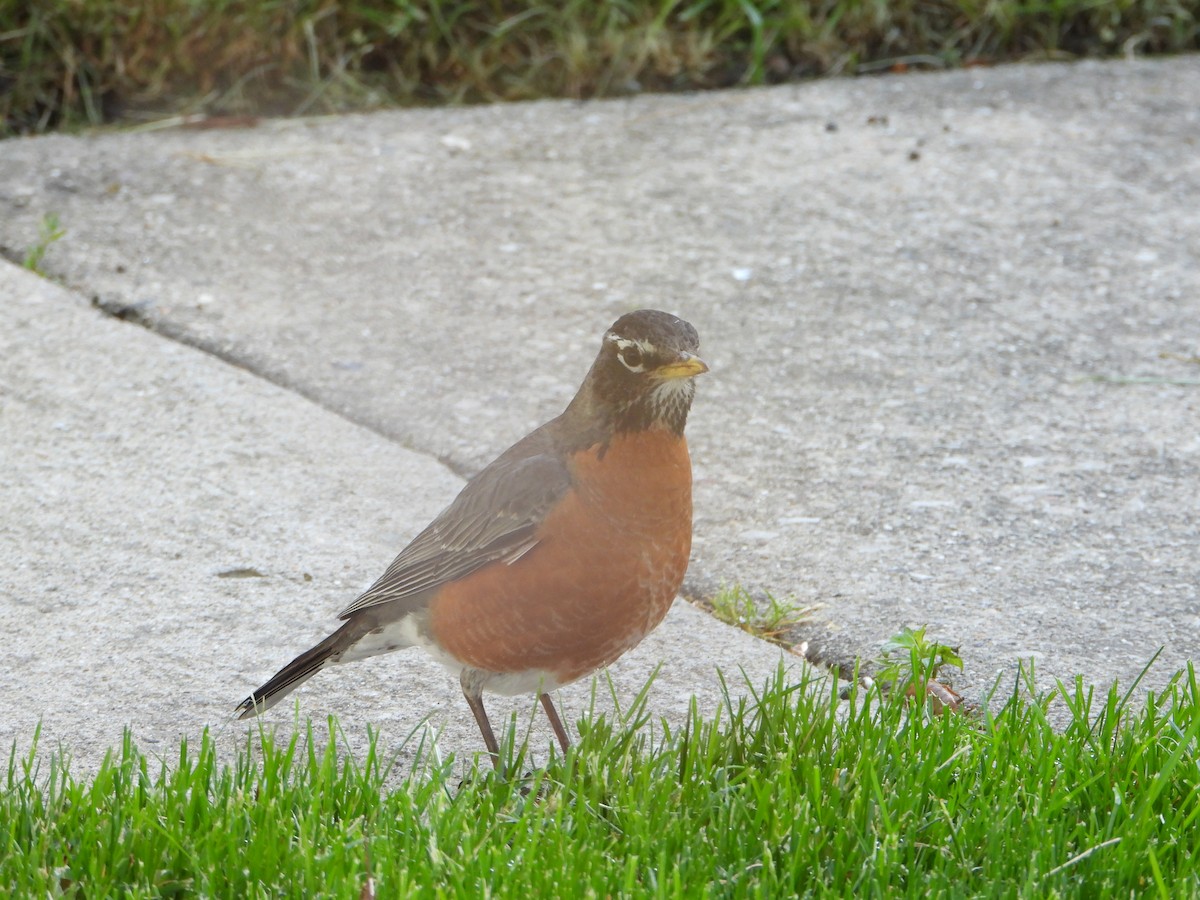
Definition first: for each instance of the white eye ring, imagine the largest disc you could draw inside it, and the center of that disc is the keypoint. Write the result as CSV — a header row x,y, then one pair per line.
x,y
624,345
639,368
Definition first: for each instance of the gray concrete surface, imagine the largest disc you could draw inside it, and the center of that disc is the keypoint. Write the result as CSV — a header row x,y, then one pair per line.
x,y
907,287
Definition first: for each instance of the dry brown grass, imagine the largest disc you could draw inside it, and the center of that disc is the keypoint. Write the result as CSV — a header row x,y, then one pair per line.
x,y
71,62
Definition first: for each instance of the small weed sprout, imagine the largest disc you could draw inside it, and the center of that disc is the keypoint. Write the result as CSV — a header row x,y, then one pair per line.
x,y
770,621
911,664
49,232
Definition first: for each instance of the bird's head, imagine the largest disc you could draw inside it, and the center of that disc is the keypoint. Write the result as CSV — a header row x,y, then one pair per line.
x,y
643,375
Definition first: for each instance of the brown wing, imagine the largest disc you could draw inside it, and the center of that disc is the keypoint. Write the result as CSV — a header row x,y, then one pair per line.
x,y
495,517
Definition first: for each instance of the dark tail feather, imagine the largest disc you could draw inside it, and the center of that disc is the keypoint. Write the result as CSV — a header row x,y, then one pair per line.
x,y
294,674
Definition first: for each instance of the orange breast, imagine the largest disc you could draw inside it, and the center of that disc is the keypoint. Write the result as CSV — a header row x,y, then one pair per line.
x,y
609,561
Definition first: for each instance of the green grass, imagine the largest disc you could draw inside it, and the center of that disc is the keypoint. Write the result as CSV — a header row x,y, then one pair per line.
x,y
72,62
796,793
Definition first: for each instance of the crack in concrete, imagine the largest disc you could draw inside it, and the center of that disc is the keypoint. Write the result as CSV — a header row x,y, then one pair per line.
x,y
138,314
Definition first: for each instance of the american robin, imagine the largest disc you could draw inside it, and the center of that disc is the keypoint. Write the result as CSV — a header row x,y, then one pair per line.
x,y
560,555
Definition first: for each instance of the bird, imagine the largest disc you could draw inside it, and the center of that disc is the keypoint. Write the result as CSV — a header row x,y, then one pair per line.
x,y
557,557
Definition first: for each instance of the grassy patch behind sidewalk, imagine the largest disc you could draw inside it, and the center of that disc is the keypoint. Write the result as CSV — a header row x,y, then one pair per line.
x,y
795,793
70,62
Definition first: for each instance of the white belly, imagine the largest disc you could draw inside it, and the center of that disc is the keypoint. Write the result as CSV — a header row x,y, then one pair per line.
x,y
405,633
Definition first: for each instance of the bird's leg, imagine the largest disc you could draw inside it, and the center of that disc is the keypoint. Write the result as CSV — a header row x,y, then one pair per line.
x,y
473,691
556,722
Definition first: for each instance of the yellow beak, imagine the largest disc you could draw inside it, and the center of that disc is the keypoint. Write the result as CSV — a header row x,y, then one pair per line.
x,y
685,367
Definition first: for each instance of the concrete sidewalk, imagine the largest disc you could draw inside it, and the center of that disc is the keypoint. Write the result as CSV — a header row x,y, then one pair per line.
x,y
950,319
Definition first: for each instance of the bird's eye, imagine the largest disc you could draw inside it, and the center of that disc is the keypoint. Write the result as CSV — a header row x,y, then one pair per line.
x,y
631,358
